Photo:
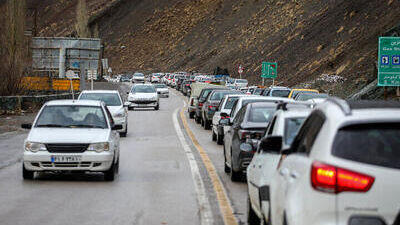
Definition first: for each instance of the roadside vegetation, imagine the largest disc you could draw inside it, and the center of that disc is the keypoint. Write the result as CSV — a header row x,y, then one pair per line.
x,y
14,48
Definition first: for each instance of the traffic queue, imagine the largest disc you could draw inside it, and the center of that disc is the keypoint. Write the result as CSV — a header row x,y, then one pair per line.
x,y
307,157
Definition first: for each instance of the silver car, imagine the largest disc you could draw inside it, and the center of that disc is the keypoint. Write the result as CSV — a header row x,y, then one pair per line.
x,y
143,96
70,135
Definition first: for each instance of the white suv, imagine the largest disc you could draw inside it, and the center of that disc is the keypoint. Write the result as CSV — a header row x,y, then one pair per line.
x,y
342,168
114,103
279,135
72,135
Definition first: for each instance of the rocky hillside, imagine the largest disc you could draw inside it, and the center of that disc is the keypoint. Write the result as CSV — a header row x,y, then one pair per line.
x,y
330,44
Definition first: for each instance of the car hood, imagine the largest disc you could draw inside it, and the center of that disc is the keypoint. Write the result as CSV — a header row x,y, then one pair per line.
x,y
144,95
138,78
68,135
114,109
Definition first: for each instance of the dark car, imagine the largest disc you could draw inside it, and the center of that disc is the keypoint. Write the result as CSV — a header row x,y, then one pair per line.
x,y
249,124
186,87
179,82
202,98
210,106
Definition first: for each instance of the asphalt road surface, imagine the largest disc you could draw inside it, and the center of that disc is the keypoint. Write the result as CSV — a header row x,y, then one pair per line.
x,y
162,180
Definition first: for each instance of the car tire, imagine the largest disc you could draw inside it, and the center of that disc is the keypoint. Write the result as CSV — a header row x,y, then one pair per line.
x,y
226,167
109,175
207,124
235,176
220,139
191,115
252,218
214,136
157,107
123,134
26,174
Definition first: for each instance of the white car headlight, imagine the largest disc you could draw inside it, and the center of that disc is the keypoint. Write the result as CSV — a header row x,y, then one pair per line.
x,y
120,113
99,147
34,146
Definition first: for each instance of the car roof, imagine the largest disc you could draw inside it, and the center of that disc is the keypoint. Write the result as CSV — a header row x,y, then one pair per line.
x,y
299,89
75,102
261,104
100,91
294,112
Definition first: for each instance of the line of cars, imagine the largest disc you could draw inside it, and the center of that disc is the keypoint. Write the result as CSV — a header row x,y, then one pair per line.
x,y
315,160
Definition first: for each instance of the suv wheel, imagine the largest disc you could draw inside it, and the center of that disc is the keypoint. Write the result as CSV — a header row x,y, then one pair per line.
x,y
157,107
207,124
214,136
226,167
191,115
235,176
26,174
220,139
252,218
109,175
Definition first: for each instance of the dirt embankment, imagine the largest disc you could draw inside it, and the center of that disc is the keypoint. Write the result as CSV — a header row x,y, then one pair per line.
x,y
328,44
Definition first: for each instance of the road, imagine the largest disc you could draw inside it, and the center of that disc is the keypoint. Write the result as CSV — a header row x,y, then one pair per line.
x,y
162,180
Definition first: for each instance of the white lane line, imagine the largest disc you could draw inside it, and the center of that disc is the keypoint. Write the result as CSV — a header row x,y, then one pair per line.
x,y
204,205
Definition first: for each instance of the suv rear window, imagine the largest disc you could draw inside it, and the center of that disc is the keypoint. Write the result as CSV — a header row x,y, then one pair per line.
x,y
376,144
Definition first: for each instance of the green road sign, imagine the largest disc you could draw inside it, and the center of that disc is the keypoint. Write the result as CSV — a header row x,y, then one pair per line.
x,y
389,61
269,70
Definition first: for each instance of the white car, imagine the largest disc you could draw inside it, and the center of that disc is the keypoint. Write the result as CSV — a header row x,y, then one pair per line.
x,y
342,168
138,78
162,90
114,104
143,96
240,83
223,112
70,135
279,135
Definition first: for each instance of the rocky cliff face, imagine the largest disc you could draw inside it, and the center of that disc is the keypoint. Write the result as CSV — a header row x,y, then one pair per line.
x,y
329,44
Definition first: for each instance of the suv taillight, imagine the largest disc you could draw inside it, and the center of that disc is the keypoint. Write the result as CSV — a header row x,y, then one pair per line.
x,y
332,179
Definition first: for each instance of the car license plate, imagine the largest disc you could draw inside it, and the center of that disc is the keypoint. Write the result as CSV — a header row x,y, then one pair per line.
x,y
65,158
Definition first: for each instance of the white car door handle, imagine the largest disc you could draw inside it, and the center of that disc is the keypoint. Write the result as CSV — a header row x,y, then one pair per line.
x,y
284,172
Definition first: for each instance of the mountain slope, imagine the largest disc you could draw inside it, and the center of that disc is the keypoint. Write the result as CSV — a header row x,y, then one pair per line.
x,y
312,41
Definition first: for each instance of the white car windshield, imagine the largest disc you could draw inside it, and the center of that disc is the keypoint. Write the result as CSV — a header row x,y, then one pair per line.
x,y
111,99
143,89
72,117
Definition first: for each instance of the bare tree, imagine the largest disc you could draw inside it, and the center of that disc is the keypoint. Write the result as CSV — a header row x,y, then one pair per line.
x,y
13,48
82,20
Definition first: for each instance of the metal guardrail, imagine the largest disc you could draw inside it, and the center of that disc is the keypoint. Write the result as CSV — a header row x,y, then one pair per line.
x,y
15,103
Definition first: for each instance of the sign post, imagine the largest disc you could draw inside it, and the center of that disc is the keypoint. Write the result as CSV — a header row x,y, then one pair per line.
x,y
269,70
389,62
92,74
70,75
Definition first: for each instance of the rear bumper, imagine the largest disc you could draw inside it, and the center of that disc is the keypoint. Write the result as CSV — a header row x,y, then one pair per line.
x,y
90,161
